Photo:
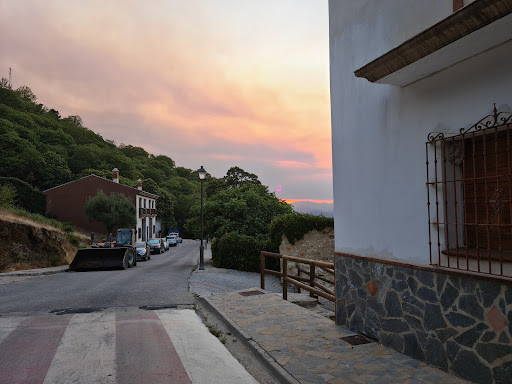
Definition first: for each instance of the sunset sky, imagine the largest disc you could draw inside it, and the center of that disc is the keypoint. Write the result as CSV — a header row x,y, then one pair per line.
x,y
218,83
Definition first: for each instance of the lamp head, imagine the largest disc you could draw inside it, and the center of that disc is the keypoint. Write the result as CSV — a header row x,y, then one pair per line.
x,y
202,173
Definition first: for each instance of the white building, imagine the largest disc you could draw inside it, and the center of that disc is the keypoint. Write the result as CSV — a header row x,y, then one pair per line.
x,y
400,70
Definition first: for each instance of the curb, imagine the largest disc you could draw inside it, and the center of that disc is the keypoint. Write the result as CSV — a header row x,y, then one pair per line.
x,y
38,272
282,375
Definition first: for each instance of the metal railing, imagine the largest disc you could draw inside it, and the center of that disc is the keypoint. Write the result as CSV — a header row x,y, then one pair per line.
x,y
469,196
147,212
312,286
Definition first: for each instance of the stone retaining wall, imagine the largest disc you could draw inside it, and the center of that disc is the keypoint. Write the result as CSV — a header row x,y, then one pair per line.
x,y
316,245
460,324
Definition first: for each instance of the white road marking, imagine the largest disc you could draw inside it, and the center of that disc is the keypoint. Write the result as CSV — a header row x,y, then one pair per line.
x,y
204,357
8,324
87,351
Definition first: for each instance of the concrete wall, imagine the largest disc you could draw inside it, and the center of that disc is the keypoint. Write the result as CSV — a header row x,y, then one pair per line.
x,y
379,131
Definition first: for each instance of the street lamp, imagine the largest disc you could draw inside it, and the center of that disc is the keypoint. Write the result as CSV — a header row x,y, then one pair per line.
x,y
202,174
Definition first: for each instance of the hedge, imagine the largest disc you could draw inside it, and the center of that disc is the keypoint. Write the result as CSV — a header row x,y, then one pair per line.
x,y
27,197
234,251
294,226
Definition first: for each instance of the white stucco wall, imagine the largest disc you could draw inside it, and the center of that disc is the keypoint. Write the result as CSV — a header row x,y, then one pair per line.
x,y
379,131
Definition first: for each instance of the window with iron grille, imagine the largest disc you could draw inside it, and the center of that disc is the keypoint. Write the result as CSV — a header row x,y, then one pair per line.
x,y
469,197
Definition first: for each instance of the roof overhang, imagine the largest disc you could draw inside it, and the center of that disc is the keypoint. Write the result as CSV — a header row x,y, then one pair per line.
x,y
473,29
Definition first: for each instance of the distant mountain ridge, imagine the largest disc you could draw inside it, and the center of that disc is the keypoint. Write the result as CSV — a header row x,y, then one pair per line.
x,y
325,209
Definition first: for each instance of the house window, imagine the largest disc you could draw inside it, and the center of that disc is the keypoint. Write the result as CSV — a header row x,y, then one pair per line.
x,y
469,184
144,203
153,229
140,202
139,233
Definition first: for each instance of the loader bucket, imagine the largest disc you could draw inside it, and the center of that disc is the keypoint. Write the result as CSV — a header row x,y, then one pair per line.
x,y
101,258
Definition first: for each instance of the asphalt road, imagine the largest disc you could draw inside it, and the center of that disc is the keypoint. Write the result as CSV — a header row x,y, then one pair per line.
x,y
161,282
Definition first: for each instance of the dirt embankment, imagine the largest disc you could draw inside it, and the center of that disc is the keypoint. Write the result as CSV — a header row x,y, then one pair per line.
x,y
26,244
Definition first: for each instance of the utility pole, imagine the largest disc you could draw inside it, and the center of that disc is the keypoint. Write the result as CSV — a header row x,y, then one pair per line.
x,y
10,77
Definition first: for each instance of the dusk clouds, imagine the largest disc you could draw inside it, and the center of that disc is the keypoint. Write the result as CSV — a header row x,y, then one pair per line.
x,y
218,83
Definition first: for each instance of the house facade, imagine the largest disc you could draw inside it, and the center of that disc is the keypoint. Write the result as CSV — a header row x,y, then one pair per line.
x,y
421,110
67,203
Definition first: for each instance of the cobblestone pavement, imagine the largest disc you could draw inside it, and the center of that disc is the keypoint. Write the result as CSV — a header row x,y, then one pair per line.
x,y
309,346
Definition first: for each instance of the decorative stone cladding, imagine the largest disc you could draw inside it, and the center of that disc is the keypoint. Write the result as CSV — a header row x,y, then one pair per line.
x,y
460,324
315,245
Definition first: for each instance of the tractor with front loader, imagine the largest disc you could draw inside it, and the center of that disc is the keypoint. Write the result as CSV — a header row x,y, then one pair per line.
x,y
123,255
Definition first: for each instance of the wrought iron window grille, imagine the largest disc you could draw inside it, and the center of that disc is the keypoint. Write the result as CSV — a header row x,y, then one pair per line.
x,y
469,182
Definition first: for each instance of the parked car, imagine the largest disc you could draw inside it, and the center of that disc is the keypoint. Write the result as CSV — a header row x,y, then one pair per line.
x,y
143,251
179,240
172,240
156,245
166,243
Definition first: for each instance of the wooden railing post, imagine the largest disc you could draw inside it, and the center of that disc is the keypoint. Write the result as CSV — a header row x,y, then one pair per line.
x,y
311,278
298,274
262,270
285,277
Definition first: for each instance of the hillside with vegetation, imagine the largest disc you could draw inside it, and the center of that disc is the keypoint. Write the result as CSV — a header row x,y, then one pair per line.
x,y
40,149
44,149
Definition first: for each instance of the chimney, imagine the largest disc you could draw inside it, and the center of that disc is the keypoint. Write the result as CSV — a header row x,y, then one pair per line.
x,y
139,185
115,175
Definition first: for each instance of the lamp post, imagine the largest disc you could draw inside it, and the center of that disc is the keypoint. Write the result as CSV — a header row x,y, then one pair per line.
x,y
202,174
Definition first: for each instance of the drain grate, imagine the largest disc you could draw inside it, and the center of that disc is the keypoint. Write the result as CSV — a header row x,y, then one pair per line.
x,y
251,293
357,339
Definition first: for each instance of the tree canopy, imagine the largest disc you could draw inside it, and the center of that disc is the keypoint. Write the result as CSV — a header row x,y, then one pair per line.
x,y
44,149
112,211
243,206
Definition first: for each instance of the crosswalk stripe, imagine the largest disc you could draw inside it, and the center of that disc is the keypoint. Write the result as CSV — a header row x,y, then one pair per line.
x,y
27,352
86,354
203,355
144,352
8,324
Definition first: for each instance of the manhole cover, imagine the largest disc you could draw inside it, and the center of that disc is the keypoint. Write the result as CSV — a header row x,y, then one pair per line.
x,y
357,339
251,293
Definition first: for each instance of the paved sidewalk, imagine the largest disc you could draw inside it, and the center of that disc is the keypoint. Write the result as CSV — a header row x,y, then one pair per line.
x,y
309,346
298,345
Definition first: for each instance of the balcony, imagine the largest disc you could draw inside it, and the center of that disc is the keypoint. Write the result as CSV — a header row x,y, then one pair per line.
x,y
147,212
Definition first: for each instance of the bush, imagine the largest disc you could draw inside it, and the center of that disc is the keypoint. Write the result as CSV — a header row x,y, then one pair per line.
x,y
294,226
238,252
26,197
73,240
7,196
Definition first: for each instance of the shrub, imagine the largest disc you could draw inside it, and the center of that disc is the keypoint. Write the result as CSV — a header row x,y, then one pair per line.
x,y
26,197
7,196
238,252
74,240
294,226
67,227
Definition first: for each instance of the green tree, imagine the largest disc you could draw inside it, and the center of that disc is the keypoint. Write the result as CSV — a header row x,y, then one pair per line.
x,y
4,83
26,94
112,211
247,210
237,177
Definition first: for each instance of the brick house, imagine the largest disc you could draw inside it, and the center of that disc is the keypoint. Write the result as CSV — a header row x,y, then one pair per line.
x,y
421,113
67,203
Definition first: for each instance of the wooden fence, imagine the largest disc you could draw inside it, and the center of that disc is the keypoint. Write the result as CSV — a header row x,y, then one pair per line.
x,y
309,283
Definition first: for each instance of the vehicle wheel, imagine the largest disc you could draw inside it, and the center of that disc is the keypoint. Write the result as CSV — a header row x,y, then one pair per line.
x,y
132,259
